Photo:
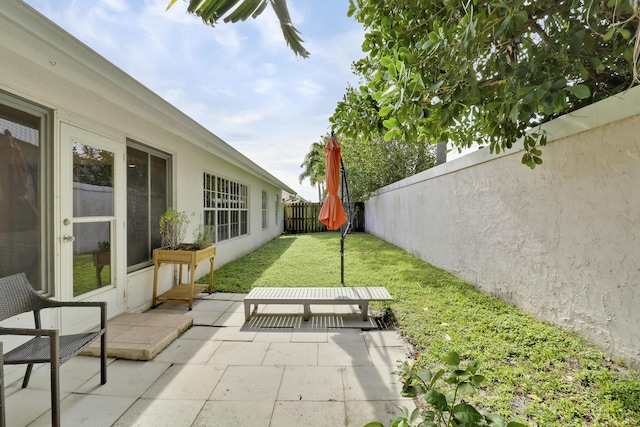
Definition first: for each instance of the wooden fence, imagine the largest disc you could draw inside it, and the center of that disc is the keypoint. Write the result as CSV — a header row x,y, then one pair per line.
x,y
302,218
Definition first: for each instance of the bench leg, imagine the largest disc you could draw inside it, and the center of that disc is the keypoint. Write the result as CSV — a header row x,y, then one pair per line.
x,y
306,312
247,311
365,310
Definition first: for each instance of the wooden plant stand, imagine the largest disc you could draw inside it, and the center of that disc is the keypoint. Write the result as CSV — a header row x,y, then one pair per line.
x,y
182,292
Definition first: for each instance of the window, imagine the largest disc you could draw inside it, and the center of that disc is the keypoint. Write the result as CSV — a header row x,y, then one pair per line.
x,y
277,209
225,207
148,197
264,210
25,199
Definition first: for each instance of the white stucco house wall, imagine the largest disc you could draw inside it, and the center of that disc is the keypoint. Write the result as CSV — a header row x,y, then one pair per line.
x,y
90,158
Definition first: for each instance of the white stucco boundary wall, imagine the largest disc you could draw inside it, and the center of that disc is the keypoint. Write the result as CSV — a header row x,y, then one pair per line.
x,y
561,241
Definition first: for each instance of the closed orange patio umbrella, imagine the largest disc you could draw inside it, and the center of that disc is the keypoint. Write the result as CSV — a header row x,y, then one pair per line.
x,y
332,213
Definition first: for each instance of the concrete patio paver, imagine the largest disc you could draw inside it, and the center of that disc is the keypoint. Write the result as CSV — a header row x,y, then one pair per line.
x,y
160,413
189,382
343,354
249,383
292,354
312,383
240,353
127,378
88,410
227,372
231,413
189,351
308,414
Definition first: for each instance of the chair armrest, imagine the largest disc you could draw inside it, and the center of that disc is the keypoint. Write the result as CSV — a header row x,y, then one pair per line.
x,y
101,304
54,303
28,332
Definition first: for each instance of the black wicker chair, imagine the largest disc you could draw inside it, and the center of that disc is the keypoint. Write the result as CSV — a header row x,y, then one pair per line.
x,y
17,296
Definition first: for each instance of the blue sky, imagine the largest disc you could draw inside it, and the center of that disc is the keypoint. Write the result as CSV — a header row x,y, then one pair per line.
x,y
240,80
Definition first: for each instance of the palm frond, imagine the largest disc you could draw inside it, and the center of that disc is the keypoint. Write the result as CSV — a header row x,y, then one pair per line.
x,y
211,11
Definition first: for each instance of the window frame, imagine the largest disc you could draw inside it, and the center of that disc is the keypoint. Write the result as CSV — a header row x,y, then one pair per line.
x,y
225,207
46,181
265,212
168,157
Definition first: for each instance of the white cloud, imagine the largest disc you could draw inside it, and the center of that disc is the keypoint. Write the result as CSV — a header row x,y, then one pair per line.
x,y
115,5
308,88
243,117
263,86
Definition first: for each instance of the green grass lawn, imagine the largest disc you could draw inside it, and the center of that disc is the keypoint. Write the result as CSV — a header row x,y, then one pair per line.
x,y
536,373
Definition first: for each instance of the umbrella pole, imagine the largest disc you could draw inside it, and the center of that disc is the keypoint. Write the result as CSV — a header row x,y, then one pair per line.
x,y
342,233
345,227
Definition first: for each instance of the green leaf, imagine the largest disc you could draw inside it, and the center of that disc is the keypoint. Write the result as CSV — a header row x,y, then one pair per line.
x,y
524,90
575,45
389,135
495,420
425,376
171,3
626,34
436,377
351,10
384,111
391,123
386,61
513,115
559,84
411,391
411,59
436,86
452,359
466,388
609,34
414,416
437,399
473,366
597,64
477,380
466,413
521,18
503,25
391,69
459,373
580,91
374,424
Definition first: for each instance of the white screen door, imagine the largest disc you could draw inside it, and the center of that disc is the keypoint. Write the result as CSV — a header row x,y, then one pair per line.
x,y
92,200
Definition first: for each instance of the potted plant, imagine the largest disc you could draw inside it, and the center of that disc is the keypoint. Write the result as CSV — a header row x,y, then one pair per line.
x,y
173,226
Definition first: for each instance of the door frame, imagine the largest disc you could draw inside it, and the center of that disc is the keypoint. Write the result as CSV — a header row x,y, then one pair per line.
x,y
115,293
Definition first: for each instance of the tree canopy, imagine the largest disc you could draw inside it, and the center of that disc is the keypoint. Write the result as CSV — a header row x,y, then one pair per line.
x,y
485,71
374,163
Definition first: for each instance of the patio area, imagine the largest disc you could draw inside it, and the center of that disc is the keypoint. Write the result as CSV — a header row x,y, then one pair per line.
x,y
276,370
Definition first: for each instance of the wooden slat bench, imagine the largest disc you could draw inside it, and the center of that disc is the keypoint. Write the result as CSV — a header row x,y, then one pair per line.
x,y
308,296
